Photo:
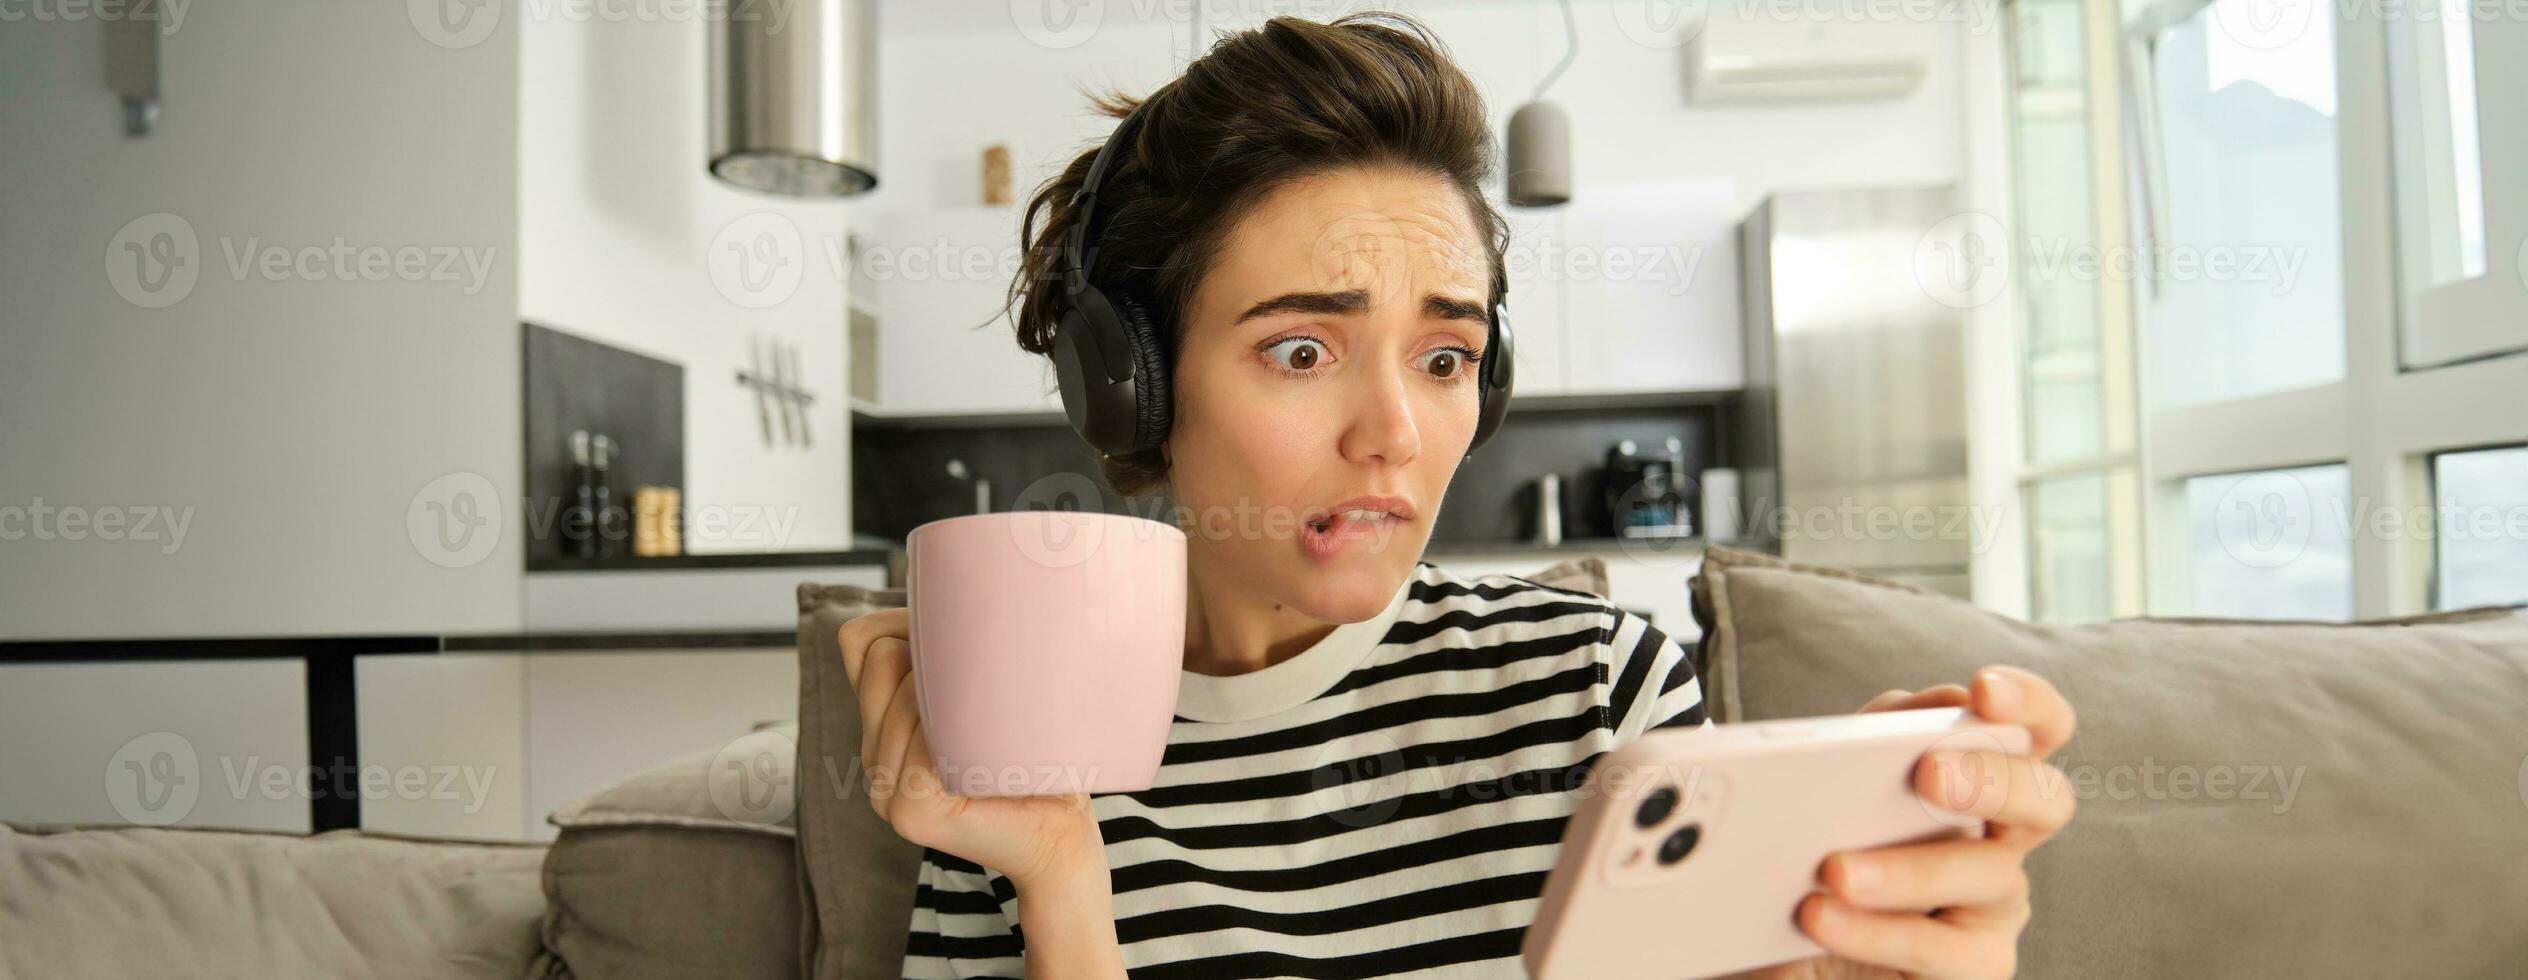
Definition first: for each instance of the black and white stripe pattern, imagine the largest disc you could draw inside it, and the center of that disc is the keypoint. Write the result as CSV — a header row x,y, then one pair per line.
x,y
1401,821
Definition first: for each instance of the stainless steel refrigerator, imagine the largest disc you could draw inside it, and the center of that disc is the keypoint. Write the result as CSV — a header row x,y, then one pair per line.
x,y
1852,431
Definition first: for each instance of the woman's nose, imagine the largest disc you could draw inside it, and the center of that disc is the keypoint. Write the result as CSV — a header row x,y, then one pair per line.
x,y
1381,427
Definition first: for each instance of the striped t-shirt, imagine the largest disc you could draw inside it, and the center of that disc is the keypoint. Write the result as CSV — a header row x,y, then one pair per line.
x,y
1388,801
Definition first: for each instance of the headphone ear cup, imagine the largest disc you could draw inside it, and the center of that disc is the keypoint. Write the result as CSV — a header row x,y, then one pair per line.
x,y
1154,408
1492,380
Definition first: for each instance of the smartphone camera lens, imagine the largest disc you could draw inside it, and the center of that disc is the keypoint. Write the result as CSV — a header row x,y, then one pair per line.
x,y
1679,844
1656,807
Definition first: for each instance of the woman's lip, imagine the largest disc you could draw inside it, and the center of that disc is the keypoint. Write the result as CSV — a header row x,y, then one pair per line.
x,y
1333,535
1395,507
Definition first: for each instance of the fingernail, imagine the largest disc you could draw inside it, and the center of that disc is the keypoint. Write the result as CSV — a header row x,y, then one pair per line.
x,y
2002,693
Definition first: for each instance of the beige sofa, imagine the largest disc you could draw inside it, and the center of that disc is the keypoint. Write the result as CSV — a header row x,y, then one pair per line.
x,y
2256,800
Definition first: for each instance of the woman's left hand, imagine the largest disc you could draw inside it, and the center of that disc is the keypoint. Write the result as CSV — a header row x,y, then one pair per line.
x,y
1953,908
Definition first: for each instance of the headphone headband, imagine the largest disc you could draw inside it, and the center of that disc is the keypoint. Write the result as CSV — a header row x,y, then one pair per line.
x,y
1091,219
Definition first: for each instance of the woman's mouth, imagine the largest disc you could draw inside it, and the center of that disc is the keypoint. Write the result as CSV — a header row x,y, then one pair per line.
x,y
1362,520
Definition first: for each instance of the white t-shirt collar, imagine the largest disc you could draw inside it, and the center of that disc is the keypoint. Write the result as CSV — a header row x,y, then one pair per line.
x,y
1290,683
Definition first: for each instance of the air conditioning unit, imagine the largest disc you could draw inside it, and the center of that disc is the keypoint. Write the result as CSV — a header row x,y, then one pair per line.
x,y
1763,52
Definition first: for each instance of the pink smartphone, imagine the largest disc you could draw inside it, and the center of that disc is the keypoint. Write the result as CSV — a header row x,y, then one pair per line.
x,y
1694,847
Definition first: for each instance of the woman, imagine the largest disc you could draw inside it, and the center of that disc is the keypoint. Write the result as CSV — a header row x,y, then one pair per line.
x,y
1373,760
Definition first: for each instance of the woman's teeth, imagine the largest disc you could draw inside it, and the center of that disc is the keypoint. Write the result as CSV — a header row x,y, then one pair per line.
x,y
1348,515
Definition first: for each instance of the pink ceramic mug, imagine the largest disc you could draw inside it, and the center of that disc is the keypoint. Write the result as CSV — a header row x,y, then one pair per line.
x,y
1046,646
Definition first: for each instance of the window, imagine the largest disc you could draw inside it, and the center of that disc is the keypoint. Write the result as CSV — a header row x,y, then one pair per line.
x,y
2271,545
2071,550
2483,527
2280,280
2241,277
2448,307
2073,321
2059,311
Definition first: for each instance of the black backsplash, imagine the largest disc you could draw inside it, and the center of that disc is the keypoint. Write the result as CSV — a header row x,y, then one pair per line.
x,y
1493,497
575,383
900,471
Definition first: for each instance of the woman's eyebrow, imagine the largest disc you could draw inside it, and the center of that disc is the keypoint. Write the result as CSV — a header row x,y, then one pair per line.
x,y
1438,307
1323,304
1434,306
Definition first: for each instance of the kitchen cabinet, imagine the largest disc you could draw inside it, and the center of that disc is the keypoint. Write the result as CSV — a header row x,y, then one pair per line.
x,y
193,744
937,281
1628,290
1650,289
594,718
525,734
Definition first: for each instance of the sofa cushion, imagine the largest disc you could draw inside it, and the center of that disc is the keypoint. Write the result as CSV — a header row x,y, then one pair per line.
x,y
141,902
2256,800
855,875
1577,575
686,868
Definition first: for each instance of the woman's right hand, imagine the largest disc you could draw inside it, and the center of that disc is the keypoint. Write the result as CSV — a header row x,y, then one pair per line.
x,y
1027,838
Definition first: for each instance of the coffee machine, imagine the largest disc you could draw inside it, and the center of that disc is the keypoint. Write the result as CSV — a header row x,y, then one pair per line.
x,y
1645,493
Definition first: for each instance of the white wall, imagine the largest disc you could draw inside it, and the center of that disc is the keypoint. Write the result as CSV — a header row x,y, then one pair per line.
x,y
620,226
956,80
291,420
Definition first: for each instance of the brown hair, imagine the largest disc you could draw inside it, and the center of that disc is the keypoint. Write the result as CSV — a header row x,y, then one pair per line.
x,y
1265,107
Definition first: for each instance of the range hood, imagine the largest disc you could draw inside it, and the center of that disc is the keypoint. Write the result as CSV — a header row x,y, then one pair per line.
x,y
794,106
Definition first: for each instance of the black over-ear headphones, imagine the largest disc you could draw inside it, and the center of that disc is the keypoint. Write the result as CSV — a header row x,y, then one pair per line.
x,y
1110,351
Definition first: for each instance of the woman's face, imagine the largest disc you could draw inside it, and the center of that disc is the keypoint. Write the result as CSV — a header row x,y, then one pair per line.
x,y
1325,387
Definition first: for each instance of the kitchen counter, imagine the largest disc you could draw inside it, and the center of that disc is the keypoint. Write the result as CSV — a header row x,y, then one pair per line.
x,y
330,668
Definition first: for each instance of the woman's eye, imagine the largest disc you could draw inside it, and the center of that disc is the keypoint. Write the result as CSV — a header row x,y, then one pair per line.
x,y
1444,363
1298,354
